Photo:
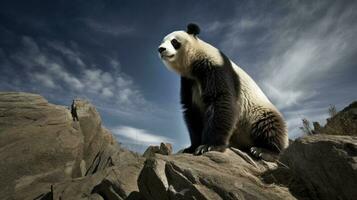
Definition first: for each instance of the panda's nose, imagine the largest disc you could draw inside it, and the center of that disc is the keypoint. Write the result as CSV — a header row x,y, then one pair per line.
x,y
161,49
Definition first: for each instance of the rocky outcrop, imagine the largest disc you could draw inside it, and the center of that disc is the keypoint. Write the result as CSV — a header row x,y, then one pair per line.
x,y
343,123
319,167
163,149
229,175
114,183
46,155
41,149
313,167
326,164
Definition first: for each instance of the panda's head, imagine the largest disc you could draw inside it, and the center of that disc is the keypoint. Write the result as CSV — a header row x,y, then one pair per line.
x,y
180,48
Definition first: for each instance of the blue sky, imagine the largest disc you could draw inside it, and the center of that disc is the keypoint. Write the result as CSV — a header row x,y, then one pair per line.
x,y
301,53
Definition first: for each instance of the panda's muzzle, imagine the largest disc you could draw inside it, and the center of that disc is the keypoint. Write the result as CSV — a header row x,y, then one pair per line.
x,y
161,49
163,53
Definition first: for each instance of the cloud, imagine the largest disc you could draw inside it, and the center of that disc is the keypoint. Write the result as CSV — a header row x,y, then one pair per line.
x,y
70,54
107,92
106,28
63,75
118,87
44,79
140,136
308,59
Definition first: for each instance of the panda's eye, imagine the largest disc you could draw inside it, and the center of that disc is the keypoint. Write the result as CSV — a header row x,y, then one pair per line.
x,y
176,44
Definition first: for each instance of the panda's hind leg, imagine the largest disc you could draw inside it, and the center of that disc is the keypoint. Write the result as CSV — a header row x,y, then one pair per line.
x,y
269,134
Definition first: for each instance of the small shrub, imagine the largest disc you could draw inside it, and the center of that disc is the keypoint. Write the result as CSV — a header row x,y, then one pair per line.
x,y
306,127
332,110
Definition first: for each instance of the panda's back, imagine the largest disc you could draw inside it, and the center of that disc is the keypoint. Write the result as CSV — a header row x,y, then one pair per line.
x,y
250,95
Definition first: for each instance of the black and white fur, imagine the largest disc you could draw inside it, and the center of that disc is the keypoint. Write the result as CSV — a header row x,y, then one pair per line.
x,y
222,105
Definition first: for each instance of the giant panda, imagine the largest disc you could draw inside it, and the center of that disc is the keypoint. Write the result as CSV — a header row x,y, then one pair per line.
x,y
222,105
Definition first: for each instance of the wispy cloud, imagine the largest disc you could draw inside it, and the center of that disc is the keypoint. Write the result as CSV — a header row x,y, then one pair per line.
x,y
44,79
307,59
106,28
139,136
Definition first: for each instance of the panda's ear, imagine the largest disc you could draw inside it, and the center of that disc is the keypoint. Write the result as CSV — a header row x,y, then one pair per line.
x,y
193,29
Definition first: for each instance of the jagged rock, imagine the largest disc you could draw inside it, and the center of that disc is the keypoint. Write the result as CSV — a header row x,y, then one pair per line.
x,y
229,175
41,146
164,149
114,183
320,167
151,151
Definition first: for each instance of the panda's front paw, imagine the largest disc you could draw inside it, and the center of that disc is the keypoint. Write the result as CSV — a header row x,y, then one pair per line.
x,y
205,148
190,150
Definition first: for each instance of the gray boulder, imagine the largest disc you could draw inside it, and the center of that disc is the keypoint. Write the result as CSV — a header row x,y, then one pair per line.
x,y
321,167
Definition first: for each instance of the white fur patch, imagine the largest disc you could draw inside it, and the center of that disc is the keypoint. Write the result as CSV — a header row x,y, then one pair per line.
x,y
250,95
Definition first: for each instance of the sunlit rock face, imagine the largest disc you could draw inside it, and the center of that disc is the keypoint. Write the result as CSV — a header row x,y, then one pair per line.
x,y
42,146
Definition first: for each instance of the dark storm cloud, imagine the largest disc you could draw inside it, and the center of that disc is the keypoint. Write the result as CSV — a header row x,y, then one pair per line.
x,y
302,53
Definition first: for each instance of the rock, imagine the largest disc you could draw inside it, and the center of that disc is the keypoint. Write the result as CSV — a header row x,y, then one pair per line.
x,y
320,167
95,196
164,149
151,151
114,183
39,145
229,175
135,196
42,147
45,156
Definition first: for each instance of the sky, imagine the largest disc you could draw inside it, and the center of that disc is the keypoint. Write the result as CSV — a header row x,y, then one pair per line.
x,y
303,54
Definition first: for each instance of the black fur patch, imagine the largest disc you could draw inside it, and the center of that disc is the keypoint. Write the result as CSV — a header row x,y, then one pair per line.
x,y
193,29
191,113
176,44
220,89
